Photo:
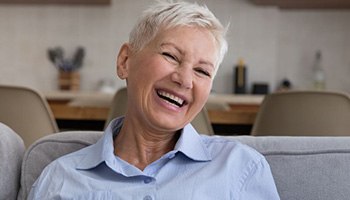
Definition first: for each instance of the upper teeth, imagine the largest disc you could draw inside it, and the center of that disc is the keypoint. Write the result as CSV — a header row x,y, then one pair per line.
x,y
172,97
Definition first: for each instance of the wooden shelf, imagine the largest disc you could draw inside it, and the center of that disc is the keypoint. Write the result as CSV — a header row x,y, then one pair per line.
x,y
64,111
70,2
306,4
68,105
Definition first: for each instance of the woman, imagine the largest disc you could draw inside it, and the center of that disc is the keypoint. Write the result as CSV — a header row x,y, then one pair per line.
x,y
153,152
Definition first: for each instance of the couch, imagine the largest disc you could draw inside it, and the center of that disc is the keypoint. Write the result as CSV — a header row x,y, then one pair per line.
x,y
11,153
310,168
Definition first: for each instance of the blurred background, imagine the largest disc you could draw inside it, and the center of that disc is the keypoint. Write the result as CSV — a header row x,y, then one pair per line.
x,y
275,43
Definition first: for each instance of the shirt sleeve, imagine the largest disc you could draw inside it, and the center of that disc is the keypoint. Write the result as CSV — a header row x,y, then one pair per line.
x,y
46,183
259,183
35,190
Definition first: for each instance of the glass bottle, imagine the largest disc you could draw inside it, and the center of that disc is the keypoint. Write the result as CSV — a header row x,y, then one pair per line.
x,y
319,82
240,76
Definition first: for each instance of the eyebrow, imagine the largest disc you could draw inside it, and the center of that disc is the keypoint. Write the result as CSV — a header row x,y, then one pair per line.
x,y
202,62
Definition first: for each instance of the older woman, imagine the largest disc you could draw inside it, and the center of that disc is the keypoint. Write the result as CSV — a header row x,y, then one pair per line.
x,y
153,152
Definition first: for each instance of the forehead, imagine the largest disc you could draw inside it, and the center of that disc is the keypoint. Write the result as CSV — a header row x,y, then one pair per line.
x,y
192,40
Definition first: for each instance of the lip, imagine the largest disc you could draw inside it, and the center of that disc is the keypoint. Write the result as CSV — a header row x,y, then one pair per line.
x,y
166,104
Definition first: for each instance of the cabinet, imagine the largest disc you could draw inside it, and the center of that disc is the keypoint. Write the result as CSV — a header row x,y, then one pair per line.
x,y
306,4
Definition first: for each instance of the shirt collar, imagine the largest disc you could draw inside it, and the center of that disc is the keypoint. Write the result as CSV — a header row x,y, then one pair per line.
x,y
190,144
103,149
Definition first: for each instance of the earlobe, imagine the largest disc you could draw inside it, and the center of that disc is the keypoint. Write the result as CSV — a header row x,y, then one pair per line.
x,y
122,61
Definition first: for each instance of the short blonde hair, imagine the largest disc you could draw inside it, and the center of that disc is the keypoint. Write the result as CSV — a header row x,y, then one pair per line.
x,y
169,14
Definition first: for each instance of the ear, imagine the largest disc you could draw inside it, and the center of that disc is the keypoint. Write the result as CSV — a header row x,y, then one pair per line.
x,y
122,61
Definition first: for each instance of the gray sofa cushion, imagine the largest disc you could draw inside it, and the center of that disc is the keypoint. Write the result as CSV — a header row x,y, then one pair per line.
x,y
47,149
312,168
307,168
11,153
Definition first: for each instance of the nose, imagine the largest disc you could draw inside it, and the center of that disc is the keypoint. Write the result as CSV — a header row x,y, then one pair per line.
x,y
183,77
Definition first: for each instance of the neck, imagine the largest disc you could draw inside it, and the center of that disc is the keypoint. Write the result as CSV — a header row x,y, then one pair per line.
x,y
140,147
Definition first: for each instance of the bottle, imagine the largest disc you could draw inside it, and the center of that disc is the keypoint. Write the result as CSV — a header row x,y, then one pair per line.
x,y
240,72
319,82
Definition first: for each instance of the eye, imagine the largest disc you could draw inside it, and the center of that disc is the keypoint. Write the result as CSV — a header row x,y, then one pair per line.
x,y
170,56
203,72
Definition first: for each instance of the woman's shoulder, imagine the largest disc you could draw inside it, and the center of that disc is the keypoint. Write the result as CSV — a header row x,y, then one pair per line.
x,y
230,147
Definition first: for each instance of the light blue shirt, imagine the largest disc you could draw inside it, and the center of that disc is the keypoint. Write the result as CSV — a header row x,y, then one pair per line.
x,y
199,168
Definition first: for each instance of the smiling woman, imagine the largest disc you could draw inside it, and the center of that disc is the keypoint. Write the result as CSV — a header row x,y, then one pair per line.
x,y
153,152
172,70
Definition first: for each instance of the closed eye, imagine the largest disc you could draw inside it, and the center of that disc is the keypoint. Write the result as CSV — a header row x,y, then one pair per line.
x,y
203,72
170,56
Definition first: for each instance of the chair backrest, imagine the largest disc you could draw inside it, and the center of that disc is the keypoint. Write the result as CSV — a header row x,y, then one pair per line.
x,y
11,153
26,112
49,148
119,104
202,123
306,113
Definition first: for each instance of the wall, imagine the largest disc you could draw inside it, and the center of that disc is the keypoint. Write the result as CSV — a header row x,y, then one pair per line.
x,y
275,43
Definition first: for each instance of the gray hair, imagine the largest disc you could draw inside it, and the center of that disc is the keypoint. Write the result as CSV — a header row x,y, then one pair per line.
x,y
169,14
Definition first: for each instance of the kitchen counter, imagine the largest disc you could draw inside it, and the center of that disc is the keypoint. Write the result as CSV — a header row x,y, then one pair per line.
x,y
67,105
226,109
235,109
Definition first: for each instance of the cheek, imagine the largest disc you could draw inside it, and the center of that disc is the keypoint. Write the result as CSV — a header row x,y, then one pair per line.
x,y
151,67
205,85
140,69
203,89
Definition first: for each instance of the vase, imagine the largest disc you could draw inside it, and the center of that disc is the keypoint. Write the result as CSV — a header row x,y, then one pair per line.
x,y
69,80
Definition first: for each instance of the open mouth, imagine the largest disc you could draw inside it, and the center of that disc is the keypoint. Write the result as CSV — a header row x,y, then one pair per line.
x,y
170,98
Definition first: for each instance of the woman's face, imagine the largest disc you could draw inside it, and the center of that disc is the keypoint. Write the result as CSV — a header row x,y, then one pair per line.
x,y
169,80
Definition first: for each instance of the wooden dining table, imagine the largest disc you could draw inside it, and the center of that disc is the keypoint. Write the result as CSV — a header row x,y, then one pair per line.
x,y
223,109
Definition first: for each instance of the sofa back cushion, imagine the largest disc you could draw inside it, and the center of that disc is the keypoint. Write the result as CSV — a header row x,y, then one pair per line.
x,y
312,168
47,149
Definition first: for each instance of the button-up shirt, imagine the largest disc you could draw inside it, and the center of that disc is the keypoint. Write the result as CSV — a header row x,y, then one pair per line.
x,y
199,167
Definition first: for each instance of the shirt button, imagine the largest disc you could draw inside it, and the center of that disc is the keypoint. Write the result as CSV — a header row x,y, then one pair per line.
x,y
147,197
147,180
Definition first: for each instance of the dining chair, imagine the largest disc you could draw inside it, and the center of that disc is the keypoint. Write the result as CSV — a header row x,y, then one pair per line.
x,y
119,104
202,123
11,153
303,113
27,112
